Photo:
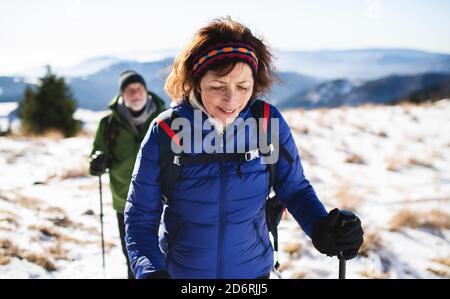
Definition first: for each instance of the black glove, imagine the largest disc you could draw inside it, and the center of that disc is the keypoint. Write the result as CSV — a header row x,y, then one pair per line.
x,y
98,164
161,274
339,233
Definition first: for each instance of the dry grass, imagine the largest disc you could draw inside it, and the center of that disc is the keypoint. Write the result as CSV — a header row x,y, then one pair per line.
x,y
10,220
422,163
435,154
434,219
27,202
306,155
397,163
300,131
3,196
355,159
373,274
382,134
439,272
394,164
53,134
419,139
293,249
284,266
346,199
372,243
50,232
46,231
84,133
442,260
4,260
89,212
11,158
59,218
360,127
75,173
299,275
89,187
57,236
41,260
8,249
64,221
58,252
55,210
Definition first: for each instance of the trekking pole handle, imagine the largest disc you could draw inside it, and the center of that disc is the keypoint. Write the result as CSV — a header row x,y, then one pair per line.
x,y
346,218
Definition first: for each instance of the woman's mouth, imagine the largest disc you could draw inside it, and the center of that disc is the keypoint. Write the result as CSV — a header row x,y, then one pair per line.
x,y
227,111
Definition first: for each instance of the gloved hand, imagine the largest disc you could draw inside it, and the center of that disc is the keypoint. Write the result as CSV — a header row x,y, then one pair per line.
x,y
161,274
335,234
98,163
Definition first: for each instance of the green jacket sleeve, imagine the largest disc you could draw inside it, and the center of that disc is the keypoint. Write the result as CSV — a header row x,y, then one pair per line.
x,y
99,140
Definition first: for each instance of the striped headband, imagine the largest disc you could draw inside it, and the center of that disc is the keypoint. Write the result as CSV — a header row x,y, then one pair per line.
x,y
233,51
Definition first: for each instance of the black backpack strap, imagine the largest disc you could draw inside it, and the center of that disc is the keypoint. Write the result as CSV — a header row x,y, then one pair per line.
x,y
273,207
111,134
169,171
261,110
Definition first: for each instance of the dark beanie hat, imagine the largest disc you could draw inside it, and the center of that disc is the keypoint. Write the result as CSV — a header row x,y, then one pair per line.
x,y
129,77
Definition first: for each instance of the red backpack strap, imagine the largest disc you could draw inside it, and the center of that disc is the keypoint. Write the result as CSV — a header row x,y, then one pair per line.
x,y
163,124
266,115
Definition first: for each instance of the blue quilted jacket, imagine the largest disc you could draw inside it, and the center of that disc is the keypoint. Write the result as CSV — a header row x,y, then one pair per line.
x,y
214,225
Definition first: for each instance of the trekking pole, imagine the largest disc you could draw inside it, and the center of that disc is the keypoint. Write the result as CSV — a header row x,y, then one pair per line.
x,y
101,223
347,217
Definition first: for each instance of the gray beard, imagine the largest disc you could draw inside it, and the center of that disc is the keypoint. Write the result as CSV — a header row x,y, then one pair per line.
x,y
149,109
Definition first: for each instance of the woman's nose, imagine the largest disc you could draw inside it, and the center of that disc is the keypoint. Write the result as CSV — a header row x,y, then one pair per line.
x,y
230,94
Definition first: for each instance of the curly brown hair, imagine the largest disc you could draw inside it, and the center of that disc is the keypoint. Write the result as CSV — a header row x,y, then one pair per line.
x,y
181,82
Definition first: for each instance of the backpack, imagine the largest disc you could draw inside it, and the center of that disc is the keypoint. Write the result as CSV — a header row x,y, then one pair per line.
x,y
111,134
170,164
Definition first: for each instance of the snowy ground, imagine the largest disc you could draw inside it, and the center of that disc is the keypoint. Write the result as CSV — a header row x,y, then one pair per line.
x,y
392,166
384,163
5,109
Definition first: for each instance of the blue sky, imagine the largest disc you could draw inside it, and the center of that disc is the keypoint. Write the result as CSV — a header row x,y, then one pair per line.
x,y
65,32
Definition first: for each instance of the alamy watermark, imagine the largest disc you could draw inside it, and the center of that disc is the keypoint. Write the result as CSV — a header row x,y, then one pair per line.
x,y
241,136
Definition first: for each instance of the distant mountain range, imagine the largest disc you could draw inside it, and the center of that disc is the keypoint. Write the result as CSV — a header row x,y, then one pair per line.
x,y
307,79
12,88
388,90
364,64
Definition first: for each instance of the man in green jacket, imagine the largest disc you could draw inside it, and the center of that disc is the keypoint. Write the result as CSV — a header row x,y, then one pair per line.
x,y
119,136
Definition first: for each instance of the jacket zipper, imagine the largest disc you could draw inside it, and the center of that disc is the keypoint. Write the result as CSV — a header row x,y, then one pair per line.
x,y
221,220
223,181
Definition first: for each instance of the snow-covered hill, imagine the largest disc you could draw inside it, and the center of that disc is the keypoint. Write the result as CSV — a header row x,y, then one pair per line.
x,y
389,164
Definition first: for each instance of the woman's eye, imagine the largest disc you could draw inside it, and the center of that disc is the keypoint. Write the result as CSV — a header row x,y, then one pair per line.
x,y
216,88
242,88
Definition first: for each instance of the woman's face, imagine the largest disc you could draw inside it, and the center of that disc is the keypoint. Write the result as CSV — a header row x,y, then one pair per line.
x,y
225,96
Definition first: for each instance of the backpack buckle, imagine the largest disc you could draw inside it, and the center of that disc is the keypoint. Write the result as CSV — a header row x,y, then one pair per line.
x,y
176,160
252,155
268,150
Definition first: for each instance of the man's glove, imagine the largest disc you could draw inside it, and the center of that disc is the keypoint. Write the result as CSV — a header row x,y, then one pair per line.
x,y
98,163
339,233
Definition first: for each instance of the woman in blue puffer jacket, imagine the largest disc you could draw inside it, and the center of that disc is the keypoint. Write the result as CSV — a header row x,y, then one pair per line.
x,y
211,222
